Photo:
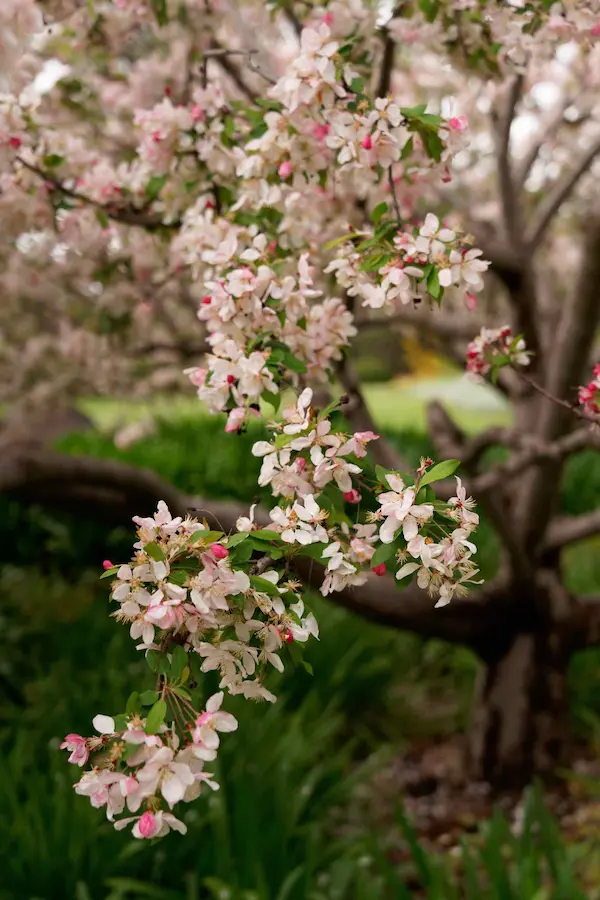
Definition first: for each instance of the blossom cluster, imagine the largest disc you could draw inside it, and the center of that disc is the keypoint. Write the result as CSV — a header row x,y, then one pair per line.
x,y
494,348
399,266
589,395
233,184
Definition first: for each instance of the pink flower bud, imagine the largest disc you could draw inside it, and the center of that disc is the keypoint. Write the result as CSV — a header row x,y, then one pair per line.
x,y
107,564
206,301
148,826
470,301
352,496
458,123
231,379
219,551
367,142
285,169
379,570
235,420
595,30
288,637
15,142
327,19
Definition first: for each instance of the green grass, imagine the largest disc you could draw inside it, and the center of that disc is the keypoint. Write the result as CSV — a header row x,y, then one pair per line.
x,y
399,405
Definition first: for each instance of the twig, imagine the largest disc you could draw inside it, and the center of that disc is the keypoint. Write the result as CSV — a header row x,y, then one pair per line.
x,y
224,52
566,404
126,216
550,206
394,197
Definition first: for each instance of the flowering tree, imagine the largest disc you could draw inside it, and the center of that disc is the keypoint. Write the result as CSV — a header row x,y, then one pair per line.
x,y
290,173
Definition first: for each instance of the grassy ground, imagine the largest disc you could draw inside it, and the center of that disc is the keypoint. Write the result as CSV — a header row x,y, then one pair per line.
x,y
398,405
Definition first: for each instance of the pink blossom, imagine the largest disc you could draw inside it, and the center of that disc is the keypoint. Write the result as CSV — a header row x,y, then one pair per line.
x,y
352,496
147,825
236,419
458,123
285,169
78,748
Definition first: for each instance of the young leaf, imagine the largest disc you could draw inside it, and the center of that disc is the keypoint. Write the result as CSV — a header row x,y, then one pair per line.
x,y
156,716
266,534
178,663
133,703
382,554
148,698
264,585
236,539
442,470
153,550
155,186
381,473
208,536
110,572
379,211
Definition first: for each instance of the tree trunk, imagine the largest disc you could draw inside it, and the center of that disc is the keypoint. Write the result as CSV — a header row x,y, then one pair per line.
x,y
520,726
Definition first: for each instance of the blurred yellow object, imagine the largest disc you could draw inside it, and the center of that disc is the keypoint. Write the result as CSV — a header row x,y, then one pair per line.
x,y
421,362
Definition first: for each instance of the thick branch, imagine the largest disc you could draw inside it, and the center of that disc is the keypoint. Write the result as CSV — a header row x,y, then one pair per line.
x,y
567,359
508,194
565,530
554,200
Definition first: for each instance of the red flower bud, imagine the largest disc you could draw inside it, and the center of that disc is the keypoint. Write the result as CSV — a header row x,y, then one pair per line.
x,y
379,570
107,564
219,551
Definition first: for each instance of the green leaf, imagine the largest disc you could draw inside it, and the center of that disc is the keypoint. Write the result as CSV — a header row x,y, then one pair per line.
x,y
110,572
357,86
442,470
133,703
153,550
178,663
336,242
53,160
208,536
382,554
266,534
272,399
426,495
380,472
282,440
181,692
155,186
433,284
293,363
264,585
408,148
157,661
242,553
413,112
120,722
314,551
160,11
379,211
236,539
148,698
307,666
156,716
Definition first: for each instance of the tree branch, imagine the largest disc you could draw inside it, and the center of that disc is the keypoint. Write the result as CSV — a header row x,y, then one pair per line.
x,y
128,216
554,200
565,530
510,206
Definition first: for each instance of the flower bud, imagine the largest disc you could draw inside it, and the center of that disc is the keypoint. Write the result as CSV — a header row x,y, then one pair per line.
x,y
379,570
367,142
219,551
148,826
107,564
285,169
352,496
